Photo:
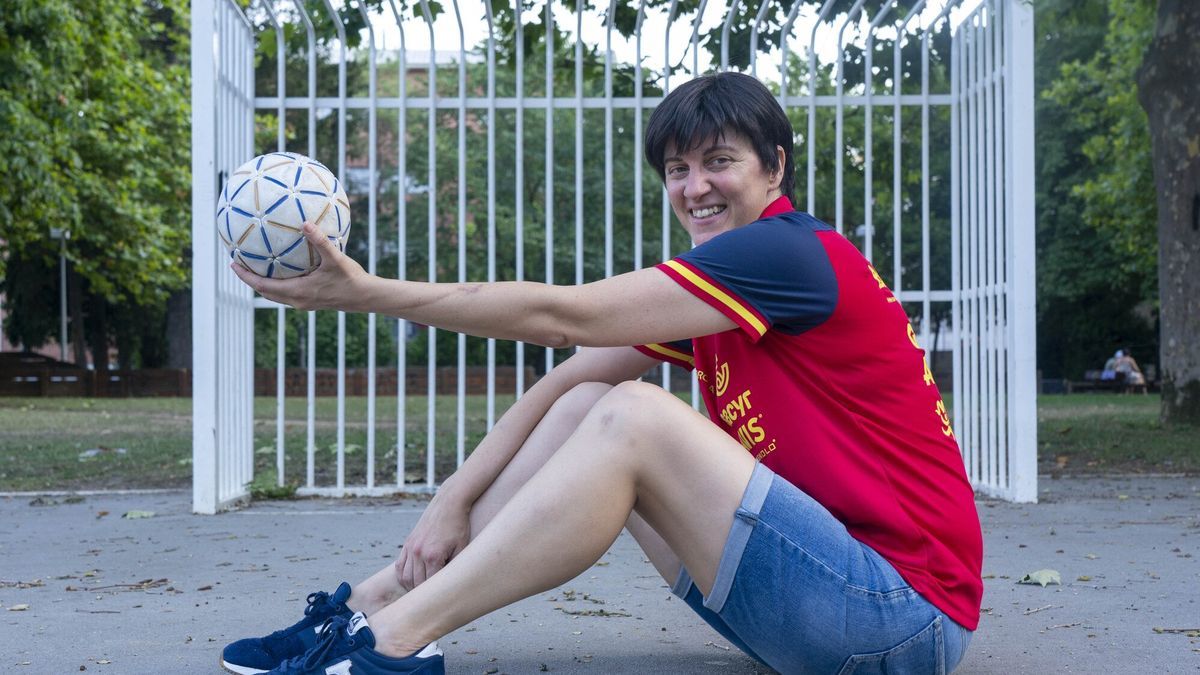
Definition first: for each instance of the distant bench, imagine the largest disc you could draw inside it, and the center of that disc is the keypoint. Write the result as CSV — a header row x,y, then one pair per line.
x,y
1093,381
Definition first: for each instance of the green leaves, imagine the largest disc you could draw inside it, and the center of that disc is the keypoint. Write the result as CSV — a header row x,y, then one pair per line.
x,y
94,131
1097,238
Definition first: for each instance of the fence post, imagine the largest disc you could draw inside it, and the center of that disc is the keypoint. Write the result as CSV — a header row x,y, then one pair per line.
x,y
1022,310
204,282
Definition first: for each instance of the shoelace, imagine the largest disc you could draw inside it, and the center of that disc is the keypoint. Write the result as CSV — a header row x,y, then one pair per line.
x,y
319,601
332,633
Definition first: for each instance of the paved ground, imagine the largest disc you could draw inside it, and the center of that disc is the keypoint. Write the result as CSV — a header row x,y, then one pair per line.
x,y
81,587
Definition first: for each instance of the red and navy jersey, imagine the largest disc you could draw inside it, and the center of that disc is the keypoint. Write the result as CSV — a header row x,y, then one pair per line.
x,y
824,382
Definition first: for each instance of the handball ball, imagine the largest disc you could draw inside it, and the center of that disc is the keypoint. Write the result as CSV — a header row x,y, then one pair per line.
x,y
266,202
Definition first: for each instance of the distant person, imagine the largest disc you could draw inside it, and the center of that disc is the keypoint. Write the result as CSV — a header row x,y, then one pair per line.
x,y
1110,367
1130,372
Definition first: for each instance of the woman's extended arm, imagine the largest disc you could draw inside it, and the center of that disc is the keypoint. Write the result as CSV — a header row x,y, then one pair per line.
x,y
639,307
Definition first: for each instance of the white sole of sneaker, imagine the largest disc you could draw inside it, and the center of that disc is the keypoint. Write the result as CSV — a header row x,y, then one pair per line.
x,y
239,670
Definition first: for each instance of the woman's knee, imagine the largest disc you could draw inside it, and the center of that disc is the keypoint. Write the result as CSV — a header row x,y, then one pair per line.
x,y
632,408
574,405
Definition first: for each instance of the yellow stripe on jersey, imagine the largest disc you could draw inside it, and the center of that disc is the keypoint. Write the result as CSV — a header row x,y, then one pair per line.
x,y
673,353
719,295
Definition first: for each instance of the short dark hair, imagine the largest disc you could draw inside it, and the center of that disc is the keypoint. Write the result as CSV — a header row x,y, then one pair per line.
x,y
712,105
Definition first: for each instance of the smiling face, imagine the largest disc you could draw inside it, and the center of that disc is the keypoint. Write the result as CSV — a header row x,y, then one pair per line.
x,y
718,185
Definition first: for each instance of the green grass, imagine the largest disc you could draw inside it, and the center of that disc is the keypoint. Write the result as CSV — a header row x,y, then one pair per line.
x,y
43,438
1106,433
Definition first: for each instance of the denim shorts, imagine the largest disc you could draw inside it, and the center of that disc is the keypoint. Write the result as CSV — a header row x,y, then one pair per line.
x,y
795,591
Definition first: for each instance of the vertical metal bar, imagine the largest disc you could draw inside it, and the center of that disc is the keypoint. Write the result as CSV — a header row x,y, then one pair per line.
x,y
608,141
897,154
985,301
280,318
729,16
245,449
956,240
549,352
695,40
666,205
431,332
925,263
810,138
246,457
402,248
460,417
227,133
995,20
341,316
519,173
1020,215
979,402
373,187
491,203
784,35
839,151
578,144
225,136
994,293
758,19
638,161
240,416
868,130
967,218
205,257
311,343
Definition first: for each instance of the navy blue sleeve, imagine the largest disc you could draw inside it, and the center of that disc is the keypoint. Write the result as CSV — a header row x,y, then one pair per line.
x,y
778,266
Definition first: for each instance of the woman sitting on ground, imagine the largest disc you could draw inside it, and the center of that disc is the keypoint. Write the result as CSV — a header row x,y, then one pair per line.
x,y
820,518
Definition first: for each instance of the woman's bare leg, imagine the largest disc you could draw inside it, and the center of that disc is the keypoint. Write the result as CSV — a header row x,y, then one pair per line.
x,y
639,447
382,588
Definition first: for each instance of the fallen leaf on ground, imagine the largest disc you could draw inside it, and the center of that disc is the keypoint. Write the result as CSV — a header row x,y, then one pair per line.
x,y
1041,577
1190,632
36,583
132,515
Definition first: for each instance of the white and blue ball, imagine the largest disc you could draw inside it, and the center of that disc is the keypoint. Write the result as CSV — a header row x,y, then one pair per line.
x,y
266,202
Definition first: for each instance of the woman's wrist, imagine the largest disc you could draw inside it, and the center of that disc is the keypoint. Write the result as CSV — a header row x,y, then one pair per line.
x,y
449,495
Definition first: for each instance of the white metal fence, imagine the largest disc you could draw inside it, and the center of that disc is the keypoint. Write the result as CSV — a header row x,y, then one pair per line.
x,y
930,173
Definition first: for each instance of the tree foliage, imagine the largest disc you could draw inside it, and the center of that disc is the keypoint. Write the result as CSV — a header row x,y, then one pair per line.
x,y
94,112
1097,242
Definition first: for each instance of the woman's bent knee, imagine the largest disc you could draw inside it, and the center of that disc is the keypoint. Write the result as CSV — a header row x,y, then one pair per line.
x,y
633,405
575,404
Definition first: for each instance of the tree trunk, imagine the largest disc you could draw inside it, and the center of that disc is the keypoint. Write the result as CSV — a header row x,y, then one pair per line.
x,y
1169,91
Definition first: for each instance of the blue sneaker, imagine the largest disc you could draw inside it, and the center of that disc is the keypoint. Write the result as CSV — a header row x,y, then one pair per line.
x,y
258,655
347,647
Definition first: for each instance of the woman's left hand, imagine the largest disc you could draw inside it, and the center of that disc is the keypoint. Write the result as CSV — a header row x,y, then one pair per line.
x,y
338,282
